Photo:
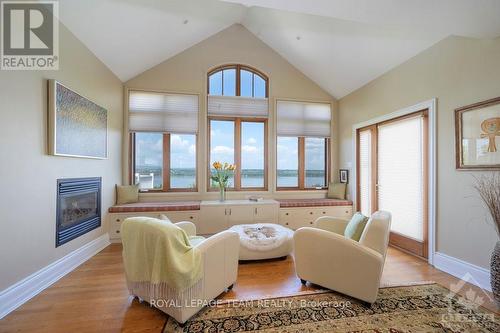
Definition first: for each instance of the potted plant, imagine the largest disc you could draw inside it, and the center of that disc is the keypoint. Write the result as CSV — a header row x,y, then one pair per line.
x,y
488,187
221,176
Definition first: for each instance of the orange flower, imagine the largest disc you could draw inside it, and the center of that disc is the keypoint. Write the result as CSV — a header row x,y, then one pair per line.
x,y
217,165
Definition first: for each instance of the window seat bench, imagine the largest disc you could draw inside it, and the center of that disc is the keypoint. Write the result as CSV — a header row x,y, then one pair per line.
x,y
210,217
321,202
161,206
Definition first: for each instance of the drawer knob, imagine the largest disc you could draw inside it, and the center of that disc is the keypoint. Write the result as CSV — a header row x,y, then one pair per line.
x,y
286,213
117,220
311,213
191,217
310,222
286,223
117,231
324,212
346,211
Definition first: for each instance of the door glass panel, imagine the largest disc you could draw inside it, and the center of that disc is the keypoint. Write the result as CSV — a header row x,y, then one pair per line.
x,y
401,175
365,171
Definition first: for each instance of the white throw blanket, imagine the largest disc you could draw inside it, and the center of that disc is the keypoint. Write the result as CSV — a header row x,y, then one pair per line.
x,y
261,236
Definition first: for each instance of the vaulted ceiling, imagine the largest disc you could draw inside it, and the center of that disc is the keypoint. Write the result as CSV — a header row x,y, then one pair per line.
x,y
340,44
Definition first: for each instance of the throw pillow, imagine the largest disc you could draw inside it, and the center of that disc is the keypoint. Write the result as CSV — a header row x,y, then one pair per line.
x,y
337,191
355,227
127,194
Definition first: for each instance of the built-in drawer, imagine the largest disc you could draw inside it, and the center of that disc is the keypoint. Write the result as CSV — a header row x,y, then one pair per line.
x,y
116,219
295,218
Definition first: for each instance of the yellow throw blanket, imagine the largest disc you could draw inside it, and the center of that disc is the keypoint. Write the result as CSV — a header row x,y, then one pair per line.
x,y
158,252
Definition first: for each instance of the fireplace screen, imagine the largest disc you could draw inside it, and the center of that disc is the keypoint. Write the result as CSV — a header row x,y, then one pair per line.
x,y
78,207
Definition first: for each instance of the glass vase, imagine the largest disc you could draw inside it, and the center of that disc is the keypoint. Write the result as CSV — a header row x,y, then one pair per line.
x,y
222,194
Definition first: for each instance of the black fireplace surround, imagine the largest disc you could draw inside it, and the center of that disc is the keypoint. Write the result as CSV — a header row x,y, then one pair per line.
x,y
78,207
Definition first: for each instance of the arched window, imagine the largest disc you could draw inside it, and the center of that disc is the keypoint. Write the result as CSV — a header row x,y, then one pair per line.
x,y
237,125
237,80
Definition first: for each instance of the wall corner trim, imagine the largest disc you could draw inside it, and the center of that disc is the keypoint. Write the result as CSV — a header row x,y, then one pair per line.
x,y
458,268
22,291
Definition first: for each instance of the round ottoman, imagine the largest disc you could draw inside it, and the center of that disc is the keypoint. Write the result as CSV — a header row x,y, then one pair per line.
x,y
263,241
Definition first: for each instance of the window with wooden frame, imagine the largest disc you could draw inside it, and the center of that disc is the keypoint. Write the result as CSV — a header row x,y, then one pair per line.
x,y
237,80
302,163
237,125
240,141
163,139
303,145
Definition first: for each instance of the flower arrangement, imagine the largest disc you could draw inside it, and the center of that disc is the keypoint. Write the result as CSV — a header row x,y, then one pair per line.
x,y
221,176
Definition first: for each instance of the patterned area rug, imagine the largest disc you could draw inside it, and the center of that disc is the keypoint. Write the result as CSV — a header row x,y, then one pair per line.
x,y
423,308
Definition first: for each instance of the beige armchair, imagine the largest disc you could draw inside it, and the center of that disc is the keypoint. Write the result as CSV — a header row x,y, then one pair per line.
x,y
323,256
220,269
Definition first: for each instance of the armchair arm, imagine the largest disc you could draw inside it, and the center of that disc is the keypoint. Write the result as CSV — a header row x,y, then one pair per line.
x,y
188,227
333,224
220,254
335,262
221,237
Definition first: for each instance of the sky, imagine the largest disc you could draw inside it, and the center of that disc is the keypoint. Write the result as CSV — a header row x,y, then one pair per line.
x,y
183,148
149,150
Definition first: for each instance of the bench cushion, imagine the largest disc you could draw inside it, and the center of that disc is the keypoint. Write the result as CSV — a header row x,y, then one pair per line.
x,y
291,203
162,206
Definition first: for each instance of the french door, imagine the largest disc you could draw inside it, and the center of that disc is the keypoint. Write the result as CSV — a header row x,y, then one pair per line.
x,y
392,176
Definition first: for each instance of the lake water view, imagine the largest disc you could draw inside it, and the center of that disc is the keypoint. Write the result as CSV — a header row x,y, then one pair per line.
x,y
186,178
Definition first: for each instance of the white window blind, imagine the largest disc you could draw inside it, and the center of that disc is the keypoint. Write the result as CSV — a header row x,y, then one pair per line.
x,y
303,119
237,106
365,171
401,175
163,112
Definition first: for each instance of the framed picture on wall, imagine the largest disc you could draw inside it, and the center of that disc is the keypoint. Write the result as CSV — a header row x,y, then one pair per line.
x,y
477,135
344,175
77,127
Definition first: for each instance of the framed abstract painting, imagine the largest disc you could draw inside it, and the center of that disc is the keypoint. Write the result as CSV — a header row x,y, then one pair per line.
x,y
477,136
77,127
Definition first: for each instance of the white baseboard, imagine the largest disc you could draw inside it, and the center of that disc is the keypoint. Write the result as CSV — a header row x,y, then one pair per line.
x,y
463,270
22,291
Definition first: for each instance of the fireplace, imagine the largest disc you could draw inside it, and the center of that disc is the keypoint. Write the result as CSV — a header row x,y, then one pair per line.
x,y
78,207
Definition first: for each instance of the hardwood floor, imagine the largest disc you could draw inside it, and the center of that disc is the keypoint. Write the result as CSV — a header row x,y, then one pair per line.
x,y
94,298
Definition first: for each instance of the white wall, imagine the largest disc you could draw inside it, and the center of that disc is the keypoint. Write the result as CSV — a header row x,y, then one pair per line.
x,y
187,72
28,174
457,71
